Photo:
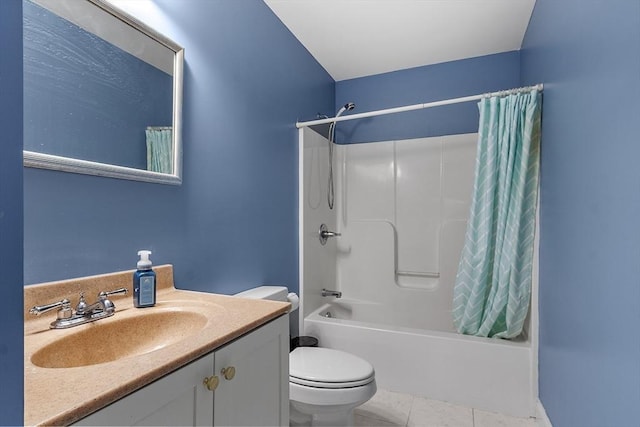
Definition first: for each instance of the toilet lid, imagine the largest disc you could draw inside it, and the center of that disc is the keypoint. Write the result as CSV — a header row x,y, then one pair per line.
x,y
325,367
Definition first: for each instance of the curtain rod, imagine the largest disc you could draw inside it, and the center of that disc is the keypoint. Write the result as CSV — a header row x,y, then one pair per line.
x,y
418,106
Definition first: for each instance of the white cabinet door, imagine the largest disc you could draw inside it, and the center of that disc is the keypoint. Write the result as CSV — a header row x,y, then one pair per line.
x,y
178,399
258,393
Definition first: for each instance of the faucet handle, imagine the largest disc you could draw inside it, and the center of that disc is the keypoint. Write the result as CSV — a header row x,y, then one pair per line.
x,y
109,306
65,311
104,294
324,234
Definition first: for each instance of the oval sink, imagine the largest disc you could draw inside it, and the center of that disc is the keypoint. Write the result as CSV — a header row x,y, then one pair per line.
x,y
106,341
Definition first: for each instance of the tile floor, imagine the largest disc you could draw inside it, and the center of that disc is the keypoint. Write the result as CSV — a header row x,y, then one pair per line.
x,y
387,408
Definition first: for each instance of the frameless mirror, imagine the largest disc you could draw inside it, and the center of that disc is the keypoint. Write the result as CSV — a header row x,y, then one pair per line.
x,y
102,93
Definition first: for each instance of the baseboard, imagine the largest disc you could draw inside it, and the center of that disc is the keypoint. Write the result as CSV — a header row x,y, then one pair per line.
x,y
541,416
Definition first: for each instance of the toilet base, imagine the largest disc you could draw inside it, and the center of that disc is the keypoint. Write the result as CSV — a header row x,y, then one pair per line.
x,y
309,406
338,416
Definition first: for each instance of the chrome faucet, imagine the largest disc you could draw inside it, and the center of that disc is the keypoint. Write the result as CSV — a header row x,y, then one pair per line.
x,y
102,305
84,313
330,293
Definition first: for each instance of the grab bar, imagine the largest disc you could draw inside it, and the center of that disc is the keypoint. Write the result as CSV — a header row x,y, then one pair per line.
x,y
433,275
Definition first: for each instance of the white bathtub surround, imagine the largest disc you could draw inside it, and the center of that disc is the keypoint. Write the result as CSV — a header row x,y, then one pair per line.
x,y
401,207
421,188
402,214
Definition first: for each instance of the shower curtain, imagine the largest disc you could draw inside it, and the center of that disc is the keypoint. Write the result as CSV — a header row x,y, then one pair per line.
x,y
493,283
159,149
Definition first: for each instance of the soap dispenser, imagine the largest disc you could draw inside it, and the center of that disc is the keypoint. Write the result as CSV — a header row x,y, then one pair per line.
x,y
144,282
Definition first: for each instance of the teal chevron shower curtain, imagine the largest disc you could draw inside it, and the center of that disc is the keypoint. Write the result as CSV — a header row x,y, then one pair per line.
x,y
493,284
159,149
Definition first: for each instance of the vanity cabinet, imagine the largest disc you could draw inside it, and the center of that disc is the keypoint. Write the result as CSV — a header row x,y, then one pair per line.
x,y
249,378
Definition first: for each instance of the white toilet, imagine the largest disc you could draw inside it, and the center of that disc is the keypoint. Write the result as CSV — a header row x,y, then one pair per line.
x,y
325,385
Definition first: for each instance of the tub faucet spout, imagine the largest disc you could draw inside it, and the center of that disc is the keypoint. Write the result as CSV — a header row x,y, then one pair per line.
x,y
330,293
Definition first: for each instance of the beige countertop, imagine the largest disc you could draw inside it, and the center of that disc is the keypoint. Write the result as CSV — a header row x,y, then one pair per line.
x,y
62,396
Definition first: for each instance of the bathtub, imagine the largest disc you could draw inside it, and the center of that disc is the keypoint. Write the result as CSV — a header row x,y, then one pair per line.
x,y
489,374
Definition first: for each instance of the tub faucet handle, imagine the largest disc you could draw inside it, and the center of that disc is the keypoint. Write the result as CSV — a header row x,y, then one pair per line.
x,y
324,234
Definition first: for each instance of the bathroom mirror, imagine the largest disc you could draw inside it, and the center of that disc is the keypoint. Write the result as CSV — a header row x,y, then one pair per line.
x,y
102,93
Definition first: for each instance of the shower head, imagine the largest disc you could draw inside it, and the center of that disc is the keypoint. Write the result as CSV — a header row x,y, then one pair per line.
x,y
346,107
331,140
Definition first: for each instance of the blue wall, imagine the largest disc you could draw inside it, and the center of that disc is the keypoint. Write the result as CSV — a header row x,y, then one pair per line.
x,y
97,111
11,347
423,84
233,223
587,53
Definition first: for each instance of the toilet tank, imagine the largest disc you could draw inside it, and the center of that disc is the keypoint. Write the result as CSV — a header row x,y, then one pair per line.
x,y
274,293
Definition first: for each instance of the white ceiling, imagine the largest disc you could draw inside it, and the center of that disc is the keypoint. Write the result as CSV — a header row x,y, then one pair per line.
x,y
355,38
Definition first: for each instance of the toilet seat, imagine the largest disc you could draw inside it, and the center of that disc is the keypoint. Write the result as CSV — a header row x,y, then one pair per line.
x,y
317,384
327,368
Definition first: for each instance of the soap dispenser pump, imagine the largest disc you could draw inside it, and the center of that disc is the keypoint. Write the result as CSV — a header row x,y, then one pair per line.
x,y
144,282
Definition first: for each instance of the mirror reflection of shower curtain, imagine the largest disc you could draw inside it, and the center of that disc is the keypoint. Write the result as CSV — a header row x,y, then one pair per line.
x,y
160,149
493,284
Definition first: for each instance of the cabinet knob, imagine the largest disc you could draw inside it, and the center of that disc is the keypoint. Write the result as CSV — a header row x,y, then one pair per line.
x,y
211,383
229,372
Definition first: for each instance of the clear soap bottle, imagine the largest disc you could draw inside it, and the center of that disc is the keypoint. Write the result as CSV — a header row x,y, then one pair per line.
x,y
144,282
